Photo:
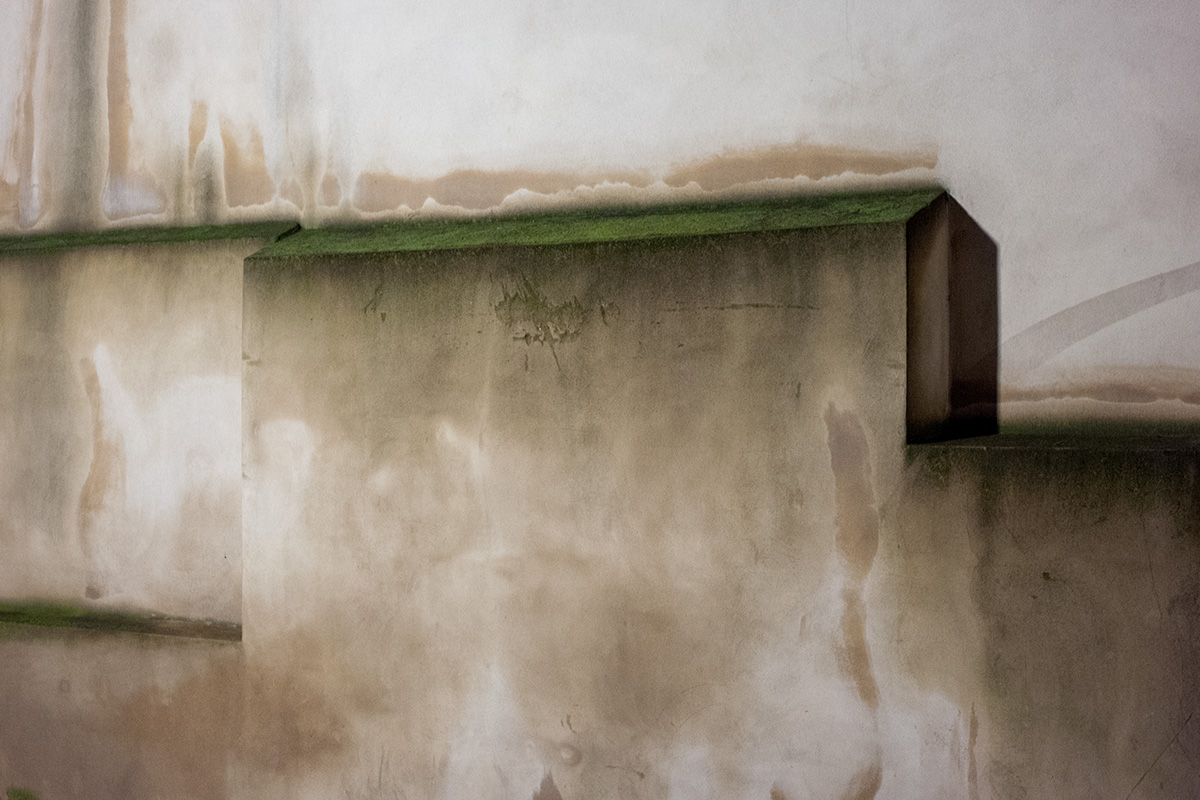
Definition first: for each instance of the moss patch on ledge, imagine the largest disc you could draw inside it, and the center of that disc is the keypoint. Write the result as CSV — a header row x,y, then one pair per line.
x,y
69,240
42,614
607,225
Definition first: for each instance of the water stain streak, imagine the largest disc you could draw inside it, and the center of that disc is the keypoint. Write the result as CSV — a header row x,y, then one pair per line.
x,y
247,182
548,790
793,161
857,542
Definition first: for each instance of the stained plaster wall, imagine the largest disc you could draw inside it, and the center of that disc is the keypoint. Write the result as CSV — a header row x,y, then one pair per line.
x,y
636,520
120,429
1069,131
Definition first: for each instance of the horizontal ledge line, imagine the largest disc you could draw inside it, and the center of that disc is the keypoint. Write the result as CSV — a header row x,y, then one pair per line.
x,y
113,237
604,225
1068,441
39,614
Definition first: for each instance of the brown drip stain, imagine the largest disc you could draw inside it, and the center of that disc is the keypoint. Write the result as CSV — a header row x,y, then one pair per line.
x,y
1130,384
479,189
197,125
853,656
8,197
20,145
473,189
331,190
972,772
792,161
547,791
247,182
865,785
777,793
120,109
106,477
857,541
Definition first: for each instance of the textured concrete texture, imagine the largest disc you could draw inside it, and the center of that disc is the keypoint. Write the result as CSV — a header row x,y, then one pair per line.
x,y
636,520
120,438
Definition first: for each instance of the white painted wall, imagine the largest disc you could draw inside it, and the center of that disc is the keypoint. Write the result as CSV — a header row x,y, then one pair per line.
x,y
1070,131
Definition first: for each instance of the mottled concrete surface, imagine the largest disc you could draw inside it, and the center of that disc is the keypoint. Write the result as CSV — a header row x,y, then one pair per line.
x,y
120,432
636,520
1068,132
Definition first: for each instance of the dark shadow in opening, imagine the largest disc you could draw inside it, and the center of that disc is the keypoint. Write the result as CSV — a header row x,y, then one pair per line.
x,y
953,325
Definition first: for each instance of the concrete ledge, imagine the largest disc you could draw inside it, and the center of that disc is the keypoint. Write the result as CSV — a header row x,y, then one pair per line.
x,y
1066,440
607,225
42,614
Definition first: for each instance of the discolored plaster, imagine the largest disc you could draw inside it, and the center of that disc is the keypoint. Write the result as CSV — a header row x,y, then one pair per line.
x,y
803,159
247,182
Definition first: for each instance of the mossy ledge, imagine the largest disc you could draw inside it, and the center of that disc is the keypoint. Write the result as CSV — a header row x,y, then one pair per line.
x,y
42,614
73,240
586,226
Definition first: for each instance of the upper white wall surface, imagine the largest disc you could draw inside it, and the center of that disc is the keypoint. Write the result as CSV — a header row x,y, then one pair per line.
x,y
1070,131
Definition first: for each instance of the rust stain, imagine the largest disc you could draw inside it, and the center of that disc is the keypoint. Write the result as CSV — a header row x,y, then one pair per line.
x,y
547,791
792,161
777,793
197,125
857,542
105,481
331,190
865,785
247,182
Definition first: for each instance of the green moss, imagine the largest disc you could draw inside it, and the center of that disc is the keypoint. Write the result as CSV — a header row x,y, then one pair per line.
x,y
607,225
14,793
68,240
42,614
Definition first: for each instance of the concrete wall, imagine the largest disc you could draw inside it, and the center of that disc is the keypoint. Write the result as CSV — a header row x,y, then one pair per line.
x,y
637,520
1068,132
120,436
